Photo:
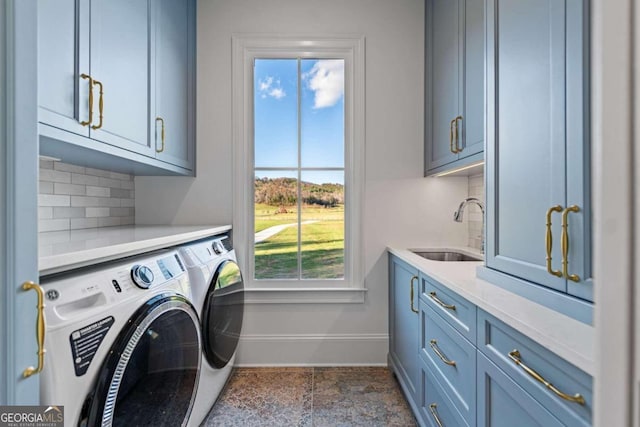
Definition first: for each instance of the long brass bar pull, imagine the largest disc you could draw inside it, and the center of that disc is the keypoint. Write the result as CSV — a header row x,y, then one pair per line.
x,y
452,137
39,329
549,240
412,308
457,135
161,120
434,297
88,122
100,104
436,350
515,356
565,244
434,413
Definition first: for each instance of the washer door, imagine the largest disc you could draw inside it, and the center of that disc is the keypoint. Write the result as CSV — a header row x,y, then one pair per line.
x,y
222,314
150,376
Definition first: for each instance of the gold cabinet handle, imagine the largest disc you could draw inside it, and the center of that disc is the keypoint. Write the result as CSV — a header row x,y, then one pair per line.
x,y
161,120
515,356
88,122
549,240
436,350
39,329
565,244
411,284
455,131
452,136
433,408
434,297
100,104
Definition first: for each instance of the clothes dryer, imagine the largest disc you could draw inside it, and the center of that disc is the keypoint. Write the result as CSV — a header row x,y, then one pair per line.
x,y
218,294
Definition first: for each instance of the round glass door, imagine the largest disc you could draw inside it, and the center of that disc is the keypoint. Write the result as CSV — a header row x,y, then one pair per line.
x,y
150,377
222,314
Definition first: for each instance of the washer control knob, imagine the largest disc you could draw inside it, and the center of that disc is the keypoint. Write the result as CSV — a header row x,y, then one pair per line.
x,y
218,247
142,276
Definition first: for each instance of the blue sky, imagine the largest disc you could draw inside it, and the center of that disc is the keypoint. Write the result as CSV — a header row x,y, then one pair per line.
x,y
322,116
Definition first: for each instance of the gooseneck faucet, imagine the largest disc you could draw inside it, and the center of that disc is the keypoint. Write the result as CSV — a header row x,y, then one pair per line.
x,y
457,215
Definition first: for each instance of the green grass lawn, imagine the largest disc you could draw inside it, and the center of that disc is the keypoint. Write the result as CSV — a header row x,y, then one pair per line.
x,y
322,248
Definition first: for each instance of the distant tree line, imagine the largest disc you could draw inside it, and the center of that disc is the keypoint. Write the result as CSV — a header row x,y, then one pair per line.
x,y
283,192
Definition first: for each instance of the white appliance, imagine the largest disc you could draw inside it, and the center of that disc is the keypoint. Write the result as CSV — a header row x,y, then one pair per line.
x,y
123,343
218,294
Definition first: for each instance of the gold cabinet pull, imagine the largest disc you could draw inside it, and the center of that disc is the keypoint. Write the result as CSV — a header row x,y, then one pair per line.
x,y
452,136
161,120
100,104
549,240
565,244
455,131
88,122
411,283
434,297
436,350
515,356
39,329
433,408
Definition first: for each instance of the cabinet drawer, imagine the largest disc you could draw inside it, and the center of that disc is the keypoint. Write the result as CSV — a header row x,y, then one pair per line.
x,y
452,358
504,346
436,406
457,311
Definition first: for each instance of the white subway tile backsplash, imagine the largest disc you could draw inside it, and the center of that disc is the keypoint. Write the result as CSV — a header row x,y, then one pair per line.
x,y
74,197
99,191
53,200
474,218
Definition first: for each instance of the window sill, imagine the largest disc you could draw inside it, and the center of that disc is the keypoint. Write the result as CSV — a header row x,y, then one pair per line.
x,y
304,296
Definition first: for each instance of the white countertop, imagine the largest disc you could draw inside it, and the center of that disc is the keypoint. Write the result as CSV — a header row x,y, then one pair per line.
x,y
65,250
567,337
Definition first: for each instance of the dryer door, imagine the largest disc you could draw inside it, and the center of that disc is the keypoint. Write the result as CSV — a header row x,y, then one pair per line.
x,y
150,376
222,314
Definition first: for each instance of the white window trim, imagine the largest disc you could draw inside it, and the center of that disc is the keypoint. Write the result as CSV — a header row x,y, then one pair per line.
x,y
246,48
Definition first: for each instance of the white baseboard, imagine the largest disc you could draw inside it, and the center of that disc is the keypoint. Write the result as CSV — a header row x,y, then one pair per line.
x,y
313,350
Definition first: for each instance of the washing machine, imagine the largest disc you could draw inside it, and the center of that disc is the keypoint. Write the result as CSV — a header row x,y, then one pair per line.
x,y
123,343
218,294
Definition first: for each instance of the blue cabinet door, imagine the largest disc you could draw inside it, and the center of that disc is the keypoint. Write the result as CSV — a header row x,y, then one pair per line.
x,y
443,77
537,146
404,326
63,56
502,403
120,39
173,82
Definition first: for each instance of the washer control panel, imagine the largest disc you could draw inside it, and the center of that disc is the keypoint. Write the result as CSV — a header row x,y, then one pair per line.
x,y
156,272
142,276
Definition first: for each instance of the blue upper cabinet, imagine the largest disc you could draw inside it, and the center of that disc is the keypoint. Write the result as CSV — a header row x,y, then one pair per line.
x,y
108,69
119,66
173,80
404,327
454,83
537,153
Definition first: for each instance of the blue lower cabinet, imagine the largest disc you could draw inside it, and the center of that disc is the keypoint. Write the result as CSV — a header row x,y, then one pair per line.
x,y
503,403
436,409
452,359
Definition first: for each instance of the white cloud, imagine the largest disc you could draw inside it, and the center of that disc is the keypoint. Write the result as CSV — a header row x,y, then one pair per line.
x,y
271,87
326,80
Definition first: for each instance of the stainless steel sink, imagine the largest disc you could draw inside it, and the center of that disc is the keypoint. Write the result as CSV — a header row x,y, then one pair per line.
x,y
446,256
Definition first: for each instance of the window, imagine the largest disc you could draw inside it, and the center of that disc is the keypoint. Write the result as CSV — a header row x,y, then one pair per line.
x,y
298,136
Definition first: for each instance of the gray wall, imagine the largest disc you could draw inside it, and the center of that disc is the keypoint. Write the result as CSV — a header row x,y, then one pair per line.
x,y
74,197
401,207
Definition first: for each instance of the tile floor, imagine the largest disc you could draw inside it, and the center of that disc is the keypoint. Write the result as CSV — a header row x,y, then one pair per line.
x,y
305,397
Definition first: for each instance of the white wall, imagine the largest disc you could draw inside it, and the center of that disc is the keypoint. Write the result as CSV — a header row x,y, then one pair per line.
x,y
401,207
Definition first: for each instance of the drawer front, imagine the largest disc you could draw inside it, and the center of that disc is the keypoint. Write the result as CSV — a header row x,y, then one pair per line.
x,y
521,358
450,357
503,403
457,311
436,405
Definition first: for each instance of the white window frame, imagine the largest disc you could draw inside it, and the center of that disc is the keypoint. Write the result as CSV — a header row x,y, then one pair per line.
x,y
245,49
